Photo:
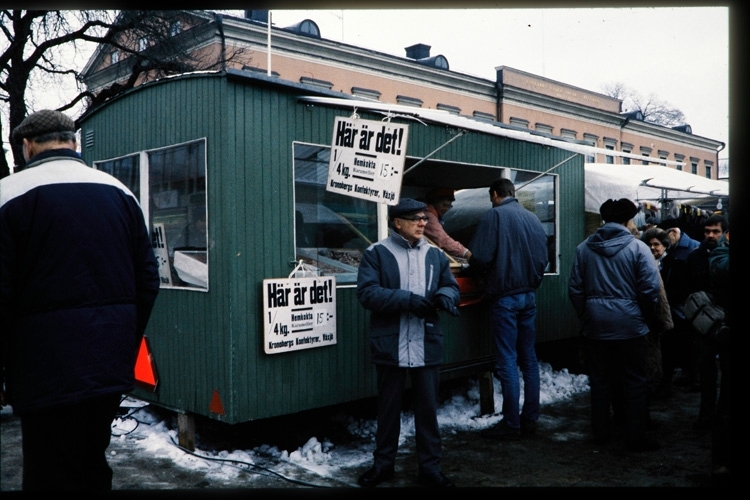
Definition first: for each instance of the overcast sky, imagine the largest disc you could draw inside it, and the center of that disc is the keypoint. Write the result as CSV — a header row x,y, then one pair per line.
x,y
678,54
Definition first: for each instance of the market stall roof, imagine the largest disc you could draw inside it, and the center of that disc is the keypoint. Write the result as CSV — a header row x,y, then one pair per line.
x,y
466,123
646,183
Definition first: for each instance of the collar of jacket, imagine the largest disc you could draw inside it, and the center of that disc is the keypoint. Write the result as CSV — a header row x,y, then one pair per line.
x,y
403,242
52,154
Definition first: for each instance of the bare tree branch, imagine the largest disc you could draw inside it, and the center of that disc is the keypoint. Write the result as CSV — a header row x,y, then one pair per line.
x,y
36,49
654,109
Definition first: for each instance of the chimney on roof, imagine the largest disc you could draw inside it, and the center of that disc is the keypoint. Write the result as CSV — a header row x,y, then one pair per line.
x,y
257,15
418,51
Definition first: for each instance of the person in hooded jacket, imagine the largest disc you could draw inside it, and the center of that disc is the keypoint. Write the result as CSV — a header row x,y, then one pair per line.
x,y
614,287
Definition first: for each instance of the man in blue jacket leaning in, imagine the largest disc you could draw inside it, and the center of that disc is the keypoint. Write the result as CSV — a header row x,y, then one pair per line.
x,y
403,281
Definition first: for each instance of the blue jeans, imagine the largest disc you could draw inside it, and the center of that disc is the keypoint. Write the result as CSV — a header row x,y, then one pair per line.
x,y
514,330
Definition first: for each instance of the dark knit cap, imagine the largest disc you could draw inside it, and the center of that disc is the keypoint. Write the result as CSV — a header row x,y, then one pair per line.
x,y
405,206
669,223
621,210
43,122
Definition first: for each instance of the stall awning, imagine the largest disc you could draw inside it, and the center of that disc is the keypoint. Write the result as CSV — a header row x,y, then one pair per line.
x,y
646,183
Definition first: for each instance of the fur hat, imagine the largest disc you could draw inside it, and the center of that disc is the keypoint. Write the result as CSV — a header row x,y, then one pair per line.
x,y
405,206
43,122
621,210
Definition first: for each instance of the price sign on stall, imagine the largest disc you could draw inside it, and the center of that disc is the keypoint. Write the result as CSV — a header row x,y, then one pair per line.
x,y
299,313
367,159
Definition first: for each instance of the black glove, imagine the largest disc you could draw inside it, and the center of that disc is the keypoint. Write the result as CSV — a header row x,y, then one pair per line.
x,y
420,306
446,304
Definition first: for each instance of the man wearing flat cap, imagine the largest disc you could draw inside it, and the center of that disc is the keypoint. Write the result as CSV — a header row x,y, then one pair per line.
x,y
439,201
78,279
403,281
614,287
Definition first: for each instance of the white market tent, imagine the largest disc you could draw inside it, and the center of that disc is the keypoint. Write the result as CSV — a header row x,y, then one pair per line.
x,y
650,183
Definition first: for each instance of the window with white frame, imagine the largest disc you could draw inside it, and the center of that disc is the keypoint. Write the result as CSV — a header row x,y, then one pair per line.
x,y
170,184
114,57
708,168
626,148
645,151
694,165
610,143
567,133
519,122
333,230
544,128
679,158
591,140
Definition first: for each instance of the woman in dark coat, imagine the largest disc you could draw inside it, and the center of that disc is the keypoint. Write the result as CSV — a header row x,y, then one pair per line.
x,y
675,346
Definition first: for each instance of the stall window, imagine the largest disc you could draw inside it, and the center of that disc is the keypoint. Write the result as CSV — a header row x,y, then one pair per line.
x,y
331,230
537,194
171,186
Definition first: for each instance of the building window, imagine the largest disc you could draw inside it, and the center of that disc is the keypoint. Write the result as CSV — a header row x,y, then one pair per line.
x,y
174,205
708,169
591,140
142,44
259,70
645,151
366,93
694,165
626,148
479,115
331,230
679,158
541,127
409,101
454,110
305,80
114,57
566,133
519,122
609,143
609,158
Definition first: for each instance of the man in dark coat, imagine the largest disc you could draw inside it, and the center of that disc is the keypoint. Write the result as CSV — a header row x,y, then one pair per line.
x,y
511,244
402,281
78,280
706,348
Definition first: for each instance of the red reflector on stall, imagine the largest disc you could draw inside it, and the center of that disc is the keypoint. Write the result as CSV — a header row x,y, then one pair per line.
x,y
145,369
216,405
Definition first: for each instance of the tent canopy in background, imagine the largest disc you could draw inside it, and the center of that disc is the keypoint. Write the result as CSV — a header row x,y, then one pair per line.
x,y
647,183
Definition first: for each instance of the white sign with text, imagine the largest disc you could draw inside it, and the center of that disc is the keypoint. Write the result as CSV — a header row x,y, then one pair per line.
x,y
367,159
299,313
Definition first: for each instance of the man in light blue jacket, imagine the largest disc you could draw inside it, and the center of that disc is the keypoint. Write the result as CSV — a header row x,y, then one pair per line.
x,y
614,288
403,280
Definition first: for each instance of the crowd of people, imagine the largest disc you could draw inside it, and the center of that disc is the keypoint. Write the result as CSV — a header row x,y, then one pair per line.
x,y
78,280
627,285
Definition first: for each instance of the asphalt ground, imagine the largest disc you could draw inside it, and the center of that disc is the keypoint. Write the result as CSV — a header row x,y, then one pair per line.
x,y
561,454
